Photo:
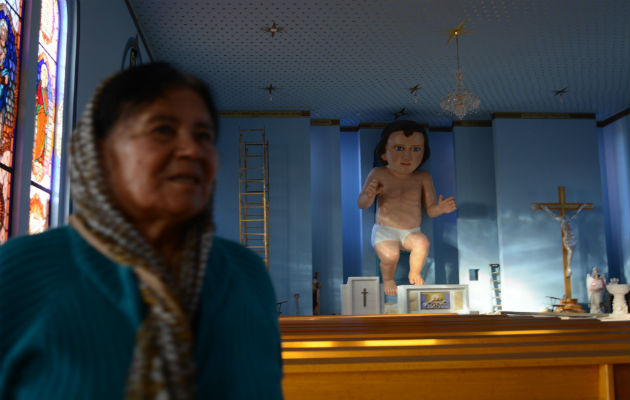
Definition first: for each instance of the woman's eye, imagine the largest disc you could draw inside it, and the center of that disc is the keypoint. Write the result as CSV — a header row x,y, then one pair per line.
x,y
164,130
398,148
416,149
205,135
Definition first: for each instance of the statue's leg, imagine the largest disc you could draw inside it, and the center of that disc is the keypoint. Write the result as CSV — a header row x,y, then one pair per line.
x,y
388,253
418,244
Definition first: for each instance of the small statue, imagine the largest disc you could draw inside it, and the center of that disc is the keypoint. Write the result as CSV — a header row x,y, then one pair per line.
x,y
595,285
297,303
317,285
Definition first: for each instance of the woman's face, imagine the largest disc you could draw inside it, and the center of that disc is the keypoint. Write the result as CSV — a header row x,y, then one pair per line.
x,y
160,161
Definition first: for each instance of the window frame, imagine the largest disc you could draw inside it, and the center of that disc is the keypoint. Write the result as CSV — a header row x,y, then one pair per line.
x,y
25,125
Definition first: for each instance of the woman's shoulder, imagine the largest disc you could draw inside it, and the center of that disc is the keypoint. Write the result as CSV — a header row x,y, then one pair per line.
x,y
35,261
232,265
235,253
237,283
31,248
33,271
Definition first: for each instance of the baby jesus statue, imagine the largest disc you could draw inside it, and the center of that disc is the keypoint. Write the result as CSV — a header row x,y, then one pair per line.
x,y
402,189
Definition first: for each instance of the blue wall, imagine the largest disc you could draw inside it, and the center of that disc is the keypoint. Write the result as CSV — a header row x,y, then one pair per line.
x,y
367,143
350,213
100,55
477,236
289,196
615,166
532,158
443,234
327,227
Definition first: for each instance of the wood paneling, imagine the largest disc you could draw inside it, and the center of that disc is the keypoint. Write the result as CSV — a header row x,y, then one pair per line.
x,y
454,357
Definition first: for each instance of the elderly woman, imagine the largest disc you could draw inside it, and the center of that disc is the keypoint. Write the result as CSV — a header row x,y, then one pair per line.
x,y
136,298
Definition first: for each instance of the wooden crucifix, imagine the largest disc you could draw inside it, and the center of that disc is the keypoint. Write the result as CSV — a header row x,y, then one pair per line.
x,y
568,303
364,293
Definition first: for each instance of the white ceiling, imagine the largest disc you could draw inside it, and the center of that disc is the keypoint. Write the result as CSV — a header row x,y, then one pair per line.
x,y
355,60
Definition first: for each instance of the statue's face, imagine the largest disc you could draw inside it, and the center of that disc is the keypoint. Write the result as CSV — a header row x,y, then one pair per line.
x,y
403,154
4,35
44,75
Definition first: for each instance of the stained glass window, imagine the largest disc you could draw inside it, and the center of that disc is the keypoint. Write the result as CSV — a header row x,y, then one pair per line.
x,y
48,115
10,34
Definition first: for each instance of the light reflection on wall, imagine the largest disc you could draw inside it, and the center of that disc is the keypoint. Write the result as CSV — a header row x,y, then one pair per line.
x,y
535,270
477,239
532,159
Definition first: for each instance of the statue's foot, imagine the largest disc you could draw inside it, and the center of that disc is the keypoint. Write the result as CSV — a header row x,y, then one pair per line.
x,y
390,288
415,278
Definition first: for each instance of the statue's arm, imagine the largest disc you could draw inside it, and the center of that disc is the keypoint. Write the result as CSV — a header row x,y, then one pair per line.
x,y
579,210
551,214
370,189
435,207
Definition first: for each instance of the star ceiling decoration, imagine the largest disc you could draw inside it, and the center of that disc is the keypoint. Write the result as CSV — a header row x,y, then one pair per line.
x,y
273,29
561,93
270,89
403,111
453,33
414,92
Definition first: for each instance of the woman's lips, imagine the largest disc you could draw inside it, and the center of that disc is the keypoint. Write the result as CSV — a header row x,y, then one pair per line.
x,y
185,178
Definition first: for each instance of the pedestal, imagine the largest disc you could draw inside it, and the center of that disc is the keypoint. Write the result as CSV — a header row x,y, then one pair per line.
x,y
362,295
620,308
420,299
569,306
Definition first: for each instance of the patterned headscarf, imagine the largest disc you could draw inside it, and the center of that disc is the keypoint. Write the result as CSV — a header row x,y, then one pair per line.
x,y
162,365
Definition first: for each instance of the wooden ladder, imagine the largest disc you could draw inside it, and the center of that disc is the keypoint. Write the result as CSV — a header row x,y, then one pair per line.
x,y
253,198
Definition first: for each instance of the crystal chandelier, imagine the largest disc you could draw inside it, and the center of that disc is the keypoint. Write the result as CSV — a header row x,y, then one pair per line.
x,y
459,101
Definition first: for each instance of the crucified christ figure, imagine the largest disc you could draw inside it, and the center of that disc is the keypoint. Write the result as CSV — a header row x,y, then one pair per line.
x,y
569,304
568,237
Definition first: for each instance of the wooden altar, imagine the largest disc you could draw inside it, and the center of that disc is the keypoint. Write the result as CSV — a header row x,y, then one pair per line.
x,y
452,356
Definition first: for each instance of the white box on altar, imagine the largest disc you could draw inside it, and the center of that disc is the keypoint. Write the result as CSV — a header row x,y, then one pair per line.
x,y
419,299
362,295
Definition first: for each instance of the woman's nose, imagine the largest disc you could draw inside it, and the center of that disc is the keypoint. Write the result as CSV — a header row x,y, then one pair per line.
x,y
187,145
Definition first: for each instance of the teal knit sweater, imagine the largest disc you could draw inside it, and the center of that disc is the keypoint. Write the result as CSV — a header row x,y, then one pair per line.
x,y
68,319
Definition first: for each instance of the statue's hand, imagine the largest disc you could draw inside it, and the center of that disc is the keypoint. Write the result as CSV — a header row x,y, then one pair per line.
x,y
368,193
372,189
447,205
